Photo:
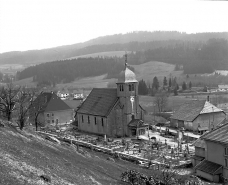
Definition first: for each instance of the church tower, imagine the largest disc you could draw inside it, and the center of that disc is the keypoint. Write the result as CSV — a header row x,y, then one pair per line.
x,y
127,91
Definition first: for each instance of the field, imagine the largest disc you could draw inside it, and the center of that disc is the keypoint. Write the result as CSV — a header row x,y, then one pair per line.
x,y
102,54
87,83
11,68
28,82
149,70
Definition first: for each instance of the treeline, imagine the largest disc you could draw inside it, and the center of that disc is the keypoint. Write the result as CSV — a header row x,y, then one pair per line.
x,y
68,70
168,85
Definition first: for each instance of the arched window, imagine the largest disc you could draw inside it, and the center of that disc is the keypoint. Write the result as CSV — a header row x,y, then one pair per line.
x,y
121,87
129,87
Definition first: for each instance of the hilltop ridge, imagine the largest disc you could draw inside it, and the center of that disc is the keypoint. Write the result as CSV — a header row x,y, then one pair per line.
x,y
116,42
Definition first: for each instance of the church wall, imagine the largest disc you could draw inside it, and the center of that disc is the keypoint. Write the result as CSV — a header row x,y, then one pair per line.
x,y
90,125
117,121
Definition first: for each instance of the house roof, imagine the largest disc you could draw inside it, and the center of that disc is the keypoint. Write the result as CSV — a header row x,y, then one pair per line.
x,y
127,76
74,104
208,167
199,143
190,110
219,134
51,102
99,102
198,158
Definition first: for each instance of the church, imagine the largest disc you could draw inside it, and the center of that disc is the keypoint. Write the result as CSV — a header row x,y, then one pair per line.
x,y
114,112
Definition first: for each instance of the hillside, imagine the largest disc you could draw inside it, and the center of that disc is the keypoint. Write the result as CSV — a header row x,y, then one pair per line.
x,y
146,71
25,156
149,70
118,42
102,54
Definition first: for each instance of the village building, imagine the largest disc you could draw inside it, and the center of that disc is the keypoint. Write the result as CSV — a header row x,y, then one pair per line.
x,y
223,87
63,95
199,151
52,110
215,165
198,116
114,112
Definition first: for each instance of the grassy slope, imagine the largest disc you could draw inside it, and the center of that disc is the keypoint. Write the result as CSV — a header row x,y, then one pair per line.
x,y
27,81
149,70
24,156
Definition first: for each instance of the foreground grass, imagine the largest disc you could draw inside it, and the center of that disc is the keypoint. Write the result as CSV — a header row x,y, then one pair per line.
x,y
25,156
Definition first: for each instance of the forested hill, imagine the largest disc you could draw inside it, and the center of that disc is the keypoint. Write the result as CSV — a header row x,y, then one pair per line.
x,y
134,41
65,71
195,58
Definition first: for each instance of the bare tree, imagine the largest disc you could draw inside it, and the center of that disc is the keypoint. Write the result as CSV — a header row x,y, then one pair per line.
x,y
161,101
25,98
8,99
35,109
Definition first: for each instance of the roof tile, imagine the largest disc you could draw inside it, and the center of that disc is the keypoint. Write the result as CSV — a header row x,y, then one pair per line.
x,y
219,134
99,102
208,167
189,111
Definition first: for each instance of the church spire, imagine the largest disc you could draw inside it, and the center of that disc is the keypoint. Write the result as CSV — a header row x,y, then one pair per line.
x,y
125,60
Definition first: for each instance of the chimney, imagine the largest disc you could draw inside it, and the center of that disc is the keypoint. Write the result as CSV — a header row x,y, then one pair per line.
x,y
132,116
208,98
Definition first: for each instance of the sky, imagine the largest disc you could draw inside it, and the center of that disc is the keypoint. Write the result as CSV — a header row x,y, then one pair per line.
x,y
39,24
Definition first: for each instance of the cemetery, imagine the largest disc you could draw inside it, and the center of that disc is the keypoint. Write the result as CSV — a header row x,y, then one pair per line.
x,y
155,149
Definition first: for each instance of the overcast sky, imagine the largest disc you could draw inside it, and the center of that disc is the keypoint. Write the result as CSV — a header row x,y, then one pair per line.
x,y
38,24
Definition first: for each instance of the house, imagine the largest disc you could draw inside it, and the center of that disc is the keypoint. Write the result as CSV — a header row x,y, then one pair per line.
x,y
199,151
63,96
223,87
198,115
78,96
215,165
51,110
113,112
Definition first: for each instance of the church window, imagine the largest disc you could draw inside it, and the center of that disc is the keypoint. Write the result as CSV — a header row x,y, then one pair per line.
x,y
121,88
102,122
95,120
88,120
82,119
131,87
